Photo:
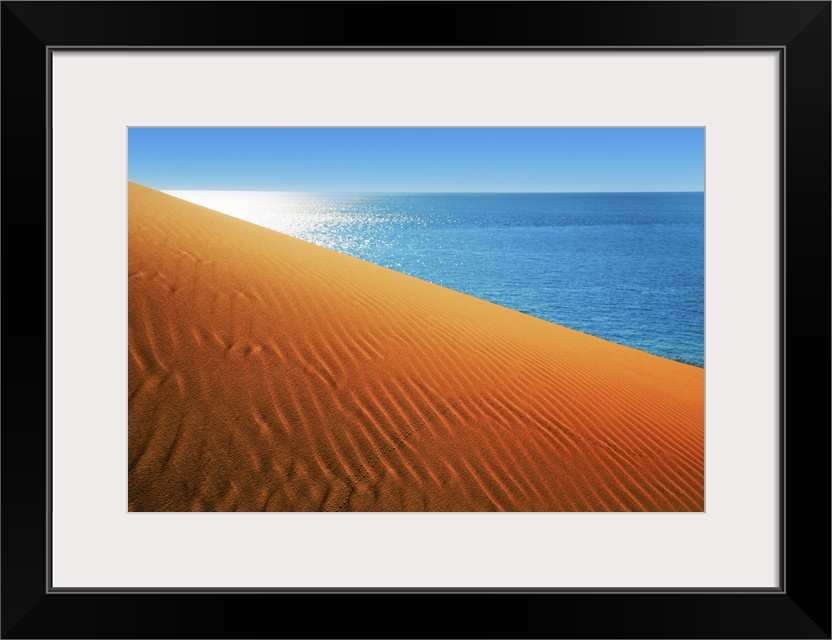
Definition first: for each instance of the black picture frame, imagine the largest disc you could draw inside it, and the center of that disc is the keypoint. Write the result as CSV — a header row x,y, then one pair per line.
x,y
799,608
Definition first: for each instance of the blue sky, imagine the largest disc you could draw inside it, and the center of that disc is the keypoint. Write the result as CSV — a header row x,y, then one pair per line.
x,y
371,160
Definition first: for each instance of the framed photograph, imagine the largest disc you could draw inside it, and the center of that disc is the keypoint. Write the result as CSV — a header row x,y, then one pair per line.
x,y
664,481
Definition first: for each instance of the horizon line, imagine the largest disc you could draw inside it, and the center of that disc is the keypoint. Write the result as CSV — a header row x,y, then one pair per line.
x,y
342,192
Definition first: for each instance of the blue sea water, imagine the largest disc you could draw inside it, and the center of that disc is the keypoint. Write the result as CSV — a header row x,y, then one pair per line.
x,y
627,267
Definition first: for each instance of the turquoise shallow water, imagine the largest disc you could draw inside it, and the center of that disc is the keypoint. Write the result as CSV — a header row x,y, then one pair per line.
x,y
627,267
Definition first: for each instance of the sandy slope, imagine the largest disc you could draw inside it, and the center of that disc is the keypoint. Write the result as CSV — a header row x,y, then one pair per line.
x,y
269,374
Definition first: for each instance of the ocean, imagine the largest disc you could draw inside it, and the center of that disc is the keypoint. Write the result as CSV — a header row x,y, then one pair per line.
x,y
626,267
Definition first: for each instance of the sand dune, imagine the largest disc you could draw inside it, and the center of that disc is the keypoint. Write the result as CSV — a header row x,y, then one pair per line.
x,y
269,374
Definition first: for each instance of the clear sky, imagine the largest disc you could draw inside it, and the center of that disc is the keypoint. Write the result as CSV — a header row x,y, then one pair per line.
x,y
417,159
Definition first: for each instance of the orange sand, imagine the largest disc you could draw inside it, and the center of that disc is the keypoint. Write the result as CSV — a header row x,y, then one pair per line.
x,y
269,374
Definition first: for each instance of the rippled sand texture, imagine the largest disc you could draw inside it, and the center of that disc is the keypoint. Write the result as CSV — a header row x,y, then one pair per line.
x,y
269,374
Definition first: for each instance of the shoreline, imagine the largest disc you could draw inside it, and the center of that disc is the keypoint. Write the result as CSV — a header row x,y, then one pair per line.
x,y
464,260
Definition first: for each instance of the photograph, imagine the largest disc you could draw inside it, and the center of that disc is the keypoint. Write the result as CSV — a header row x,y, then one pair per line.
x,y
421,319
